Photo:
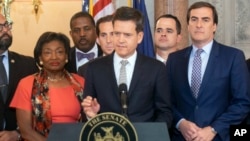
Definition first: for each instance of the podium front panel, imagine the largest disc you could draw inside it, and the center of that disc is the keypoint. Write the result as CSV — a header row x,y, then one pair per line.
x,y
147,131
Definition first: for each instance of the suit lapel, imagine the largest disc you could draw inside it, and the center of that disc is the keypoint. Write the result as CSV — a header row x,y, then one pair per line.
x,y
136,74
185,68
210,66
111,73
73,61
12,74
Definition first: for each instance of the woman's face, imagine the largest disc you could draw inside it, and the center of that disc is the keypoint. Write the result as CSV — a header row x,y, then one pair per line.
x,y
53,56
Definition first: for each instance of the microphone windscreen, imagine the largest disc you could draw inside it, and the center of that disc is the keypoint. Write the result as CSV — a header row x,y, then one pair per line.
x,y
123,87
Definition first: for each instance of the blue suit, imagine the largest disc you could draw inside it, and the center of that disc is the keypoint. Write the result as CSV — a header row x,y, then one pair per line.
x,y
223,98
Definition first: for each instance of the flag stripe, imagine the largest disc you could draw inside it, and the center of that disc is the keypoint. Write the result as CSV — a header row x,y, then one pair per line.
x,y
109,9
98,8
129,3
100,5
91,7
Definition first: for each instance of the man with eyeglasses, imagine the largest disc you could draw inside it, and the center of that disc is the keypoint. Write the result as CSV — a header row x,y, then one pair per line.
x,y
13,67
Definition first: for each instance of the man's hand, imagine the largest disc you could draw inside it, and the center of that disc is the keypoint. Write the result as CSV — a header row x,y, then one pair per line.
x,y
205,134
90,106
8,135
189,130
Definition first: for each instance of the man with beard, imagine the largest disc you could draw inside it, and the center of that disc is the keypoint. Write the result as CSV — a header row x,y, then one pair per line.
x,y
14,66
84,36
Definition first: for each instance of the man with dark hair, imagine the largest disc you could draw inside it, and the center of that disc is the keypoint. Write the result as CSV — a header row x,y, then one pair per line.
x,y
104,30
167,35
148,98
209,81
83,34
14,67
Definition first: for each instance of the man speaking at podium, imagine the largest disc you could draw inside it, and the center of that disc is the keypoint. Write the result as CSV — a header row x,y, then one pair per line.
x,y
127,82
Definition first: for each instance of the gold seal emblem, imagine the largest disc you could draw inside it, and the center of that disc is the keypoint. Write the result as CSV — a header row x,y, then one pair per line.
x,y
108,127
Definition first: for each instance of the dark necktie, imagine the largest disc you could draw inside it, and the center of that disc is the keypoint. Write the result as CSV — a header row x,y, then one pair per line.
x,y
123,74
88,56
3,80
196,73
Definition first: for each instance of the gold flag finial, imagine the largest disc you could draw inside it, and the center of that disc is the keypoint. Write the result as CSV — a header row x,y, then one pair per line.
x,y
5,9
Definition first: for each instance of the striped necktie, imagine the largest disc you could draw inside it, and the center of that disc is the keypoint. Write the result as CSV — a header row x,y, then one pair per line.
x,y
123,74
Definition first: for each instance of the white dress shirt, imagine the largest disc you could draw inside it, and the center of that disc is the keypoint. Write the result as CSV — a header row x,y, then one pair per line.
x,y
85,60
158,57
129,67
204,59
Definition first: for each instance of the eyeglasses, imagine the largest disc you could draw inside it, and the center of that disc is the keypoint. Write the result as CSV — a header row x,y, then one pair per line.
x,y
6,25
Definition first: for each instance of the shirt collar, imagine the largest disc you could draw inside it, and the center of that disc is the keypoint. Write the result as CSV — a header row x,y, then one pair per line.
x,y
131,59
94,49
158,57
5,53
206,49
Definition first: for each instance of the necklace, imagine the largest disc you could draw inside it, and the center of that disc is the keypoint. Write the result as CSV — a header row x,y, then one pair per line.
x,y
55,79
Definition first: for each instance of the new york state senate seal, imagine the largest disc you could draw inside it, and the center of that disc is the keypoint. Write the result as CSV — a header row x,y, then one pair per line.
x,y
108,127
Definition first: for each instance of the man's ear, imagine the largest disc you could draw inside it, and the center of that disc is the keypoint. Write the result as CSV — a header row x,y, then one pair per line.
x,y
179,38
140,37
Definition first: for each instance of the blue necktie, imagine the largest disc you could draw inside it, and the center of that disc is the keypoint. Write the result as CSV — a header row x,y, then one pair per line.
x,y
88,56
196,73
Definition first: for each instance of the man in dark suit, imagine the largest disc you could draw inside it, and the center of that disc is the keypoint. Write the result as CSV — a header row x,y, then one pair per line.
x,y
247,120
148,97
248,64
83,34
209,81
16,66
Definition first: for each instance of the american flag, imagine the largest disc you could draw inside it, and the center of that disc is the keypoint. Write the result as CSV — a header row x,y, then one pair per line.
x,y
98,8
85,5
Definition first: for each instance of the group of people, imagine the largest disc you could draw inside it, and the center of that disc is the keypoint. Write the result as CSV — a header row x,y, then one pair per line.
x,y
198,91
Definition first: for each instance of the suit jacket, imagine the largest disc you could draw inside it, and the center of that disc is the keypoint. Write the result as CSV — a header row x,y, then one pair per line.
x,y
247,120
148,96
19,67
82,69
223,98
248,64
71,65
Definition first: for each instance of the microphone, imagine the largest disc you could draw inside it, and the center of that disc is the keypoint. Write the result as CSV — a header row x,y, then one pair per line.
x,y
123,93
